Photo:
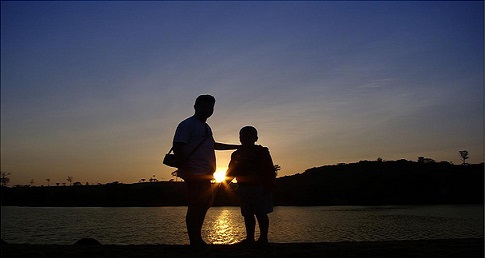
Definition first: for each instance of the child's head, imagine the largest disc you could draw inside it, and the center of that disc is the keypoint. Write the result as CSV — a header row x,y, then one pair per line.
x,y
248,135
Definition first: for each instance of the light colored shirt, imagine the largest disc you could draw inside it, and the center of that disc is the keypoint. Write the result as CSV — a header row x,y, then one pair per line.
x,y
192,132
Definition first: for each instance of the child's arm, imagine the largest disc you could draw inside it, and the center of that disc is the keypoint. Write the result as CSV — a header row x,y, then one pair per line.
x,y
269,171
230,173
228,180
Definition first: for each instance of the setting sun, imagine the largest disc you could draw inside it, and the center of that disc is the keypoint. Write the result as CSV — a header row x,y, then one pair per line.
x,y
220,175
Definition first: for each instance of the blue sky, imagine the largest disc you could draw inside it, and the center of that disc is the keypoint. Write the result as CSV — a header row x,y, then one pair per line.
x,y
94,90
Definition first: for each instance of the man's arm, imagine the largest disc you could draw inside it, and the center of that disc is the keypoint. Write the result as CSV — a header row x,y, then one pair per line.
x,y
178,150
224,146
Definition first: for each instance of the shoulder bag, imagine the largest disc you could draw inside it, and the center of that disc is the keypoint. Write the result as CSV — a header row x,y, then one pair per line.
x,y
170,159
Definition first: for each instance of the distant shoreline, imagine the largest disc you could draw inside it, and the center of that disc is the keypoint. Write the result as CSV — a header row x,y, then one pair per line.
x,y
470,247
366,183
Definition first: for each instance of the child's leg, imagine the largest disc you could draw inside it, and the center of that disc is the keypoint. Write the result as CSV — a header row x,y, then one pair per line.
x,y
250,224
263,221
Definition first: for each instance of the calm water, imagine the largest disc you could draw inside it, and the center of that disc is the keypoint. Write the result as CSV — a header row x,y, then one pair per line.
x,y
224,225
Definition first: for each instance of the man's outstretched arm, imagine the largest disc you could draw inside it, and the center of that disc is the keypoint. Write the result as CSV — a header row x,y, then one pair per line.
x,y
224,146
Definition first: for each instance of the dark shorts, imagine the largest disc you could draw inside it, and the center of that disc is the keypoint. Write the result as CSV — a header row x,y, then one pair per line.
x,y
199,193
254,200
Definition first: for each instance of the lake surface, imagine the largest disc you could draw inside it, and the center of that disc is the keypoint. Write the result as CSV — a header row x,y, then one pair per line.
x,y
225,225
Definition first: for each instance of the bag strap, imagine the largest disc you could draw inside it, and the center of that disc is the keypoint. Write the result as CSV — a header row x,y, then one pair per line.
x,y
206,136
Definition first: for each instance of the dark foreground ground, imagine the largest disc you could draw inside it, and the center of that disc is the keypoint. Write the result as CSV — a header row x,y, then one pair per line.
x,y
459,248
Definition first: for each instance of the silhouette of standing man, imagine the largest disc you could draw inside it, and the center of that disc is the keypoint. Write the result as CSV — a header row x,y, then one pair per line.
x,y
194,138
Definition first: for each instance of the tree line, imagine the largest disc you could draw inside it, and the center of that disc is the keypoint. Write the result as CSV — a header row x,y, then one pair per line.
x,y
362,183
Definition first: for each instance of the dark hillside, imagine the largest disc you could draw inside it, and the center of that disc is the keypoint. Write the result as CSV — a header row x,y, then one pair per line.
x,y
383,183
363,183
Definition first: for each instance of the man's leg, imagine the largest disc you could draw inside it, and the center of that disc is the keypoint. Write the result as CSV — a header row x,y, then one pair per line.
x,y
192,214
250,223
263,222
191,222
199,201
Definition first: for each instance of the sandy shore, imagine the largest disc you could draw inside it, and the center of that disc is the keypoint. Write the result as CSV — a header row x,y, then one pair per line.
x,y
424,248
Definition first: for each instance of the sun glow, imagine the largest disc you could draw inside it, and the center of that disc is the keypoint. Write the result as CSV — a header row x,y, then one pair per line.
x,y
220,175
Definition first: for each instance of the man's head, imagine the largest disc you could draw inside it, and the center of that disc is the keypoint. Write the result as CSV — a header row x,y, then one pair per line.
x,y
204,106
248,135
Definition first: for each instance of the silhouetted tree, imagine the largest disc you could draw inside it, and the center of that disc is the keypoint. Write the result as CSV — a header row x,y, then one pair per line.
x,y
69,179
48,180
464,156
5,178
277,168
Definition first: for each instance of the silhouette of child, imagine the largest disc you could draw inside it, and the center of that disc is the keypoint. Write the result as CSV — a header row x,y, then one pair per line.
x,y
253,168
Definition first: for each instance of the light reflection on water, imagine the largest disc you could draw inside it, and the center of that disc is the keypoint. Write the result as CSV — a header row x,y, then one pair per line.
x,y
225,225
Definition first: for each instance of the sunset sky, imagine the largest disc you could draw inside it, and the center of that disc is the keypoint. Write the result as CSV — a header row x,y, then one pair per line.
x,y
95,90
